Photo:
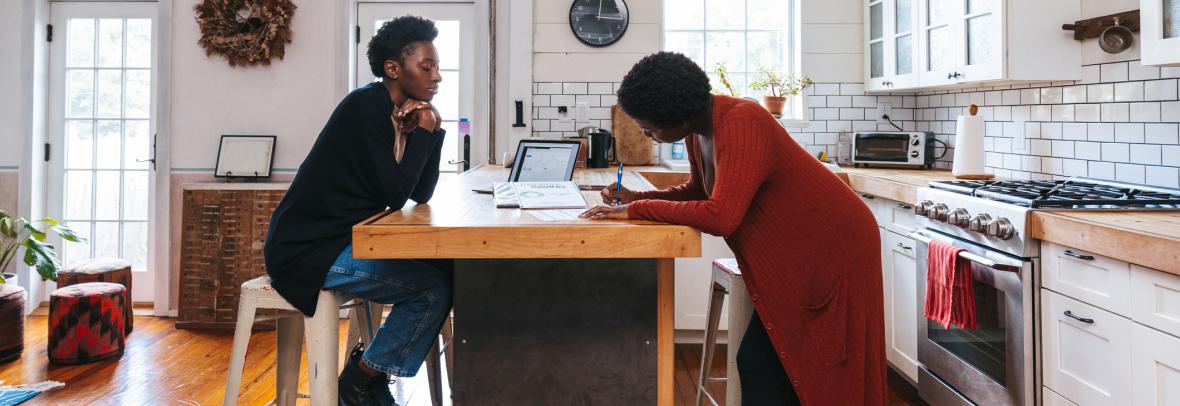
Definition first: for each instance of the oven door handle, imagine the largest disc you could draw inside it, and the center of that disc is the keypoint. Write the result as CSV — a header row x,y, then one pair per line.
x,y
970,256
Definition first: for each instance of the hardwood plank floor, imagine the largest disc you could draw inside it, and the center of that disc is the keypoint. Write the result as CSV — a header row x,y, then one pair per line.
x,y
166,366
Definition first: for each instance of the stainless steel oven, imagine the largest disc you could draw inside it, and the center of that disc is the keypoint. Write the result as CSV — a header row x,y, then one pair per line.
x,y
991,364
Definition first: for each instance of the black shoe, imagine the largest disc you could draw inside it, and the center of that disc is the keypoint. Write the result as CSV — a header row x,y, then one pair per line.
x,y
357,388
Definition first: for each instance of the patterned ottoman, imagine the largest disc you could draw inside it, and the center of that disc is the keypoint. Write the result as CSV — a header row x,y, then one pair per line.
x,y
12,318
100,270
86,322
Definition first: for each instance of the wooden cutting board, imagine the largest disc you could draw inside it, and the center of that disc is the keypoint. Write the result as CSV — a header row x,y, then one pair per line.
x,y
632,147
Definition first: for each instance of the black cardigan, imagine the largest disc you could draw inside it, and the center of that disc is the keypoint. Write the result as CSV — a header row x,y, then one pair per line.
x,y
349,176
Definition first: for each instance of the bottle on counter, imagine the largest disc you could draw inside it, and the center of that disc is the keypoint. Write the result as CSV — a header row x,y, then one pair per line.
x,y
678,150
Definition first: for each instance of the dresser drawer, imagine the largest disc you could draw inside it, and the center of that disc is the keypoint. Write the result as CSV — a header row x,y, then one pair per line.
x,y
1094,279
1155,299
896,216
1087,351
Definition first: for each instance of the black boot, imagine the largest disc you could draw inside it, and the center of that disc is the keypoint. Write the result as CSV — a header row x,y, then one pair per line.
x,y
357,388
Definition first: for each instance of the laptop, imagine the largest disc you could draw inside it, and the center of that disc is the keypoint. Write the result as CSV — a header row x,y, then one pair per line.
x,y
542,161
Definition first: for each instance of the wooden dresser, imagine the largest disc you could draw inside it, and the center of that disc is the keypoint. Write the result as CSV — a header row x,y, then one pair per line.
x,y
223,231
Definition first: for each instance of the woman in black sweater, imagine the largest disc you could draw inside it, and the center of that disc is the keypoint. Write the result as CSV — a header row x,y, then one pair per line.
x,y
380,148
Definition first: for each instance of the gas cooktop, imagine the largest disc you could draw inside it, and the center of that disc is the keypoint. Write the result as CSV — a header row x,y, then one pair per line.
x,y
1073,194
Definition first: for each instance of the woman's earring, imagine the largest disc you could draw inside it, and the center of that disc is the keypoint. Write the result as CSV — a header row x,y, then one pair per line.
x,y
394,77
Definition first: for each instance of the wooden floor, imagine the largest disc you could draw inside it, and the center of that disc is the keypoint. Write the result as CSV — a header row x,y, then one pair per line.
x,y
166,366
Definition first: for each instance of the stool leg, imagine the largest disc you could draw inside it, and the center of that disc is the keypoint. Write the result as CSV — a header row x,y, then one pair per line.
x,y
237,355
448,333
290,345
354,328
323,351
715,303
371,319
433,375
740,311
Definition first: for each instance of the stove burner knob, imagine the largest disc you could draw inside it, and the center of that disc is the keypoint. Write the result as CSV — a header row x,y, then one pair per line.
x,y
1001,228
980,223
959,217
923,208
939,212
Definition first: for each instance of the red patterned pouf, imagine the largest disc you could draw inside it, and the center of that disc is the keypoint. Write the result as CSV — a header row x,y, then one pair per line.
x,y
86,322
12,321
100,270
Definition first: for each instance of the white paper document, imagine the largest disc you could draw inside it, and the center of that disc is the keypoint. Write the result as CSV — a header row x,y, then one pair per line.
x,y
540,195
557,215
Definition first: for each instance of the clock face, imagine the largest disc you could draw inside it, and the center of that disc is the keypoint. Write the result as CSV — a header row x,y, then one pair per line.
x,y
598,23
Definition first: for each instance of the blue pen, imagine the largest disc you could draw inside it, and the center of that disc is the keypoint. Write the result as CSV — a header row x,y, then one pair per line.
x,y
619,184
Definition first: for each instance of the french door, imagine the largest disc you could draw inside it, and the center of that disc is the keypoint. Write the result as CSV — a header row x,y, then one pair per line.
x,y
100,131
456,45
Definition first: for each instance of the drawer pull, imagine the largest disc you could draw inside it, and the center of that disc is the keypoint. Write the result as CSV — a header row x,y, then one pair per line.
x,y
1081,319
902,246
868,196
1079,256
904,206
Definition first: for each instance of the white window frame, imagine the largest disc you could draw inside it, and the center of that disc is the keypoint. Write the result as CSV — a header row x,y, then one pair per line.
x,y
796,112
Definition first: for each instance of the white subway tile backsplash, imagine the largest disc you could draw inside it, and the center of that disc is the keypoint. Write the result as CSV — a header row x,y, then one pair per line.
x,y
1074,94
993,98
1010,97
852,89
549,88
1053,131
610,100
600,88
1128,132
826,113
852,114
1114,72
1170,72
826,89
1087,112
1162,133
1138,71
1130,173
1084,150
1101,132
541,125
1051,95
591,100
1073,131
839,101
1145,154
573,88
1170,111
1128,91
1100,93
1157,90
817,101
1063,149
1001,113
1041,147
1091,74
559,100
1145,112
1116,112
1029,96
1042,113
1074,167
864,101
1051,165
1171,155
1162,176
1063,112
1101,170
1115,152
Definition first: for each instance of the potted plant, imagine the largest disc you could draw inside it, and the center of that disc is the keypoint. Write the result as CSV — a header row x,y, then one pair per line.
x,y
17,232
723,76
780,86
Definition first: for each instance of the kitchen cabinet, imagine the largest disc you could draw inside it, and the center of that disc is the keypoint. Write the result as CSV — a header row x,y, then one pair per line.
x,y
970,42
891,53
1094,279
899,267
1087,351
1159,35
1155,367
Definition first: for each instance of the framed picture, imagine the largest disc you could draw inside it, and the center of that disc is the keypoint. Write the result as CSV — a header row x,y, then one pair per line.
x,y
245,156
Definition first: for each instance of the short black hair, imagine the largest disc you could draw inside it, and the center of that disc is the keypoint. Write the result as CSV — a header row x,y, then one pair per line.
x,y
395,39
665,88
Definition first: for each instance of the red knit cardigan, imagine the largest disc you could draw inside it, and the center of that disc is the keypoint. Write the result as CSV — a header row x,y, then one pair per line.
x,y
808,248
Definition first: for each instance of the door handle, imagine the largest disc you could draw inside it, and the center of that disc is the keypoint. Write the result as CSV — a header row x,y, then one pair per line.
x,y
1081,319
904,206
1079,256
904,247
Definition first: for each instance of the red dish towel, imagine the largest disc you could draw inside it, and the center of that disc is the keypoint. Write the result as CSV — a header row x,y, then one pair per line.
x,y
950,298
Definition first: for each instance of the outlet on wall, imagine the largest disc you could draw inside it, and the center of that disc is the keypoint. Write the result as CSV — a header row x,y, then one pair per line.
x,y
884,109
1019,141
582,111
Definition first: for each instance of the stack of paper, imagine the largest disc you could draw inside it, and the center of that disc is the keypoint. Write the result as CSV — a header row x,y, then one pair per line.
x,y
539,195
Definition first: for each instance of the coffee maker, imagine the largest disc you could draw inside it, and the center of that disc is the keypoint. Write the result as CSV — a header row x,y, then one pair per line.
x,y
602,149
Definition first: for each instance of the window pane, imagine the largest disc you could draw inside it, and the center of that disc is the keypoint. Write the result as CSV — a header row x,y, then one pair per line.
x,y
109,143
110,93
939,49
904,17
137,144
135,245
979,39
79,144
450,149
767,14
106,197
727,48
725,14
876,21
938,11
447,99
79,190
80,93
110,42
764,49
106,239
139,43
447,44
135,195
77,251
877,59
691,44
139,93
81,43
980,6
684,15
1171,18
905,55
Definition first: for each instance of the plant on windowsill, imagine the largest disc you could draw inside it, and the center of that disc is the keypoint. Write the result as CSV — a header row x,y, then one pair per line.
x,y
780,86
723,76
17,232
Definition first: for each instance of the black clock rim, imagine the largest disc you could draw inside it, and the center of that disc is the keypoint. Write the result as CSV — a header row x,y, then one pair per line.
x,y
620,36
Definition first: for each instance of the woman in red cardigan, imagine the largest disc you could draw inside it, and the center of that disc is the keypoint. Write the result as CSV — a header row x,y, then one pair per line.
x,y
807,246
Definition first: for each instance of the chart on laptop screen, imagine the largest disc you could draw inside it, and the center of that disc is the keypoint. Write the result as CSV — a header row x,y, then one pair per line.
x,y
541,163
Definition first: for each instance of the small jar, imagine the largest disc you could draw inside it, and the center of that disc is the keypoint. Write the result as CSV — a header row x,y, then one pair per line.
x,y
678,150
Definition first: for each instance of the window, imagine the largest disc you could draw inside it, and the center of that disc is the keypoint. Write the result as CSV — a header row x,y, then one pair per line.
x,y
744,35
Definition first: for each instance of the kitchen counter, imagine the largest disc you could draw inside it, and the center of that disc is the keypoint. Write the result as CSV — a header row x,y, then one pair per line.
x,y
1150,239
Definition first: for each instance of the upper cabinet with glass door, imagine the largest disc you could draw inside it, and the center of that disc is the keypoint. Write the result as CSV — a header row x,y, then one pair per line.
x,y
967,42
890,62
1159,23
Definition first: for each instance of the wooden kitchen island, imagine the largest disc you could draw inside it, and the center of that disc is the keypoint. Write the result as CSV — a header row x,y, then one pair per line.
x,y
549,313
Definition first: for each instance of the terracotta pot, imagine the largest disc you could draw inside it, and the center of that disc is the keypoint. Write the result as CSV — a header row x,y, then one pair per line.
x,y
774,104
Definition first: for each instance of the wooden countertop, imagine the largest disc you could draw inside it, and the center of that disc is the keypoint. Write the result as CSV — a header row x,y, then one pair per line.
x,y
459,223
1150,239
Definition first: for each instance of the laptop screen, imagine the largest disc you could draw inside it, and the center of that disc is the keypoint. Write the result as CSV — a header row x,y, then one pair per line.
x,y
538,161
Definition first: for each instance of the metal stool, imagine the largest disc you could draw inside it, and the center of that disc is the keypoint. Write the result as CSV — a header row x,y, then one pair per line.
x,y
727,280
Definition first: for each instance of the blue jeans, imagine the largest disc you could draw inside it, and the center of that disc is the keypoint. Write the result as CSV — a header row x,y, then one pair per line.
x,y
420,292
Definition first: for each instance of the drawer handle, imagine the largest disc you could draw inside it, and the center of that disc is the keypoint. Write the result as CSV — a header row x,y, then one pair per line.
x,y
904,206
902,246
1079,256
868,196
1081,319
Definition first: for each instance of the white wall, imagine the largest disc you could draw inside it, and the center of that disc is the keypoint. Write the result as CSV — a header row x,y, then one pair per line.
x,y
11,99
559,57
833,40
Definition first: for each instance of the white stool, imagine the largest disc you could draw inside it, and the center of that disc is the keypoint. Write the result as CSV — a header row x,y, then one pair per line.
x,y
323,342
727,279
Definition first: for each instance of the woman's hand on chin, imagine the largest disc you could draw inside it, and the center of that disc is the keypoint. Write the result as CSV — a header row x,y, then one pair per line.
x,y
618,212
417,114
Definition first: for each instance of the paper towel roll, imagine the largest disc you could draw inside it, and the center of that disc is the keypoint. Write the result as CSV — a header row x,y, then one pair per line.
x,y
969,153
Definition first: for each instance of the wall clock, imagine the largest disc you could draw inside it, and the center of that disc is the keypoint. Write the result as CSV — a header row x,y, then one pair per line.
x,y
599,23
